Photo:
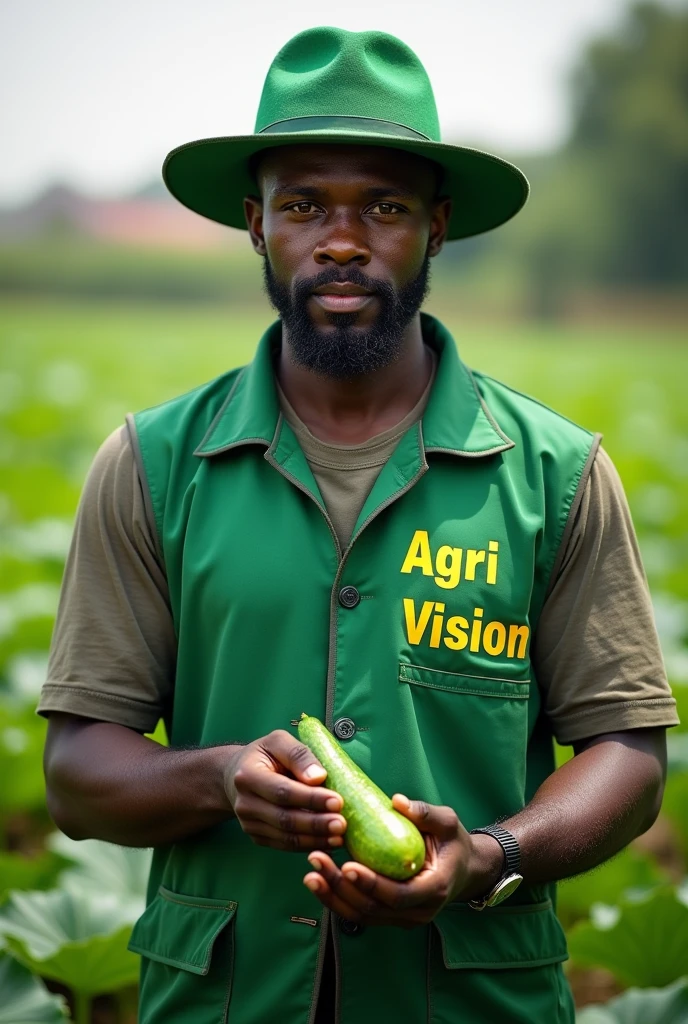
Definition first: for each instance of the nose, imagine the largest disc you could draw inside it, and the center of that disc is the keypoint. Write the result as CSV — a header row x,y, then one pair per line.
x,y
343,243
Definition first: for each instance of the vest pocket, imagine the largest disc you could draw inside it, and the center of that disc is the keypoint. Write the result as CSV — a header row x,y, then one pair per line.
x,y
479,686
471,738
188,950
510,936
502,963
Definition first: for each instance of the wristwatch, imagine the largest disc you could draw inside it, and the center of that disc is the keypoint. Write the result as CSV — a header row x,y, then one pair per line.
x,y
510,878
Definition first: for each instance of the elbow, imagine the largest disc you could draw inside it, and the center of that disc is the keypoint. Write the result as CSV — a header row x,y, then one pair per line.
x,y
62,817
62,775
653,801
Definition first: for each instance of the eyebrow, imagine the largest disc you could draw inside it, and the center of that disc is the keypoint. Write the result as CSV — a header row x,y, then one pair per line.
x,y
311,192
284,191
394,192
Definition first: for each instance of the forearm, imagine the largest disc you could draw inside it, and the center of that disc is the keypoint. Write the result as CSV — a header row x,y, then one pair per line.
x,y
591,807
106,781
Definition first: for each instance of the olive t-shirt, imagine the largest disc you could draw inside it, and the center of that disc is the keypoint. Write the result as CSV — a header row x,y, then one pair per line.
x,y
595,651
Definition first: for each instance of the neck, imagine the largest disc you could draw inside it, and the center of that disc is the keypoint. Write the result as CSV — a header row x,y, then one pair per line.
x,y
351,411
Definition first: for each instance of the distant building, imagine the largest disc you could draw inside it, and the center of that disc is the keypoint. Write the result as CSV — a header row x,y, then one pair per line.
x,y
149,218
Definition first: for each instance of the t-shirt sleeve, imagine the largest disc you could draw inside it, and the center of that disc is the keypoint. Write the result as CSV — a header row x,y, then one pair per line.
x,y
596,652
113,649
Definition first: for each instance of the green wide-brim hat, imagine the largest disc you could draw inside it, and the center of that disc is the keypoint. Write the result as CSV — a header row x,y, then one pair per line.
x,y
327,86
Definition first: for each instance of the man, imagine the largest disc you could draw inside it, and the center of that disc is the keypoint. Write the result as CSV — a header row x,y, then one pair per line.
x,y
357,527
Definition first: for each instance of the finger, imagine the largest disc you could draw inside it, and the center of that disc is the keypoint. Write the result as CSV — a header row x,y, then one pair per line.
x,y
282,791
267,835
329,898
440,821
414,892
294,755
348,893
252,808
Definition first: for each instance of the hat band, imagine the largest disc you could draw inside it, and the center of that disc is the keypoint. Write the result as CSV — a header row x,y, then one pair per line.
x,y
342,122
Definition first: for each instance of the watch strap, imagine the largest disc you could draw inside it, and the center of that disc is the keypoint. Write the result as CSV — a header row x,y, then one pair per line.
x,y
512,851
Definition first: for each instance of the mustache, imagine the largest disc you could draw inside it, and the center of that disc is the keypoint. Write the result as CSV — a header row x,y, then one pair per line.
x,y
340,275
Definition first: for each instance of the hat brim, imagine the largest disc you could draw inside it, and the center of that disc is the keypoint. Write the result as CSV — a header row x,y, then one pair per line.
x,y
211,176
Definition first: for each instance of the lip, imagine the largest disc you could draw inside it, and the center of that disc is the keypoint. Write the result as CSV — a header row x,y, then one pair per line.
x,y
338,303
341,288
342,297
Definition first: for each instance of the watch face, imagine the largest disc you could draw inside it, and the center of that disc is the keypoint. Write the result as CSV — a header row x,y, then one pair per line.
x,y
504,889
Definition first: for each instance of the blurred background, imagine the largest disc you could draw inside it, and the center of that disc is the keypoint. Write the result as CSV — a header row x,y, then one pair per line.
x,y
114,297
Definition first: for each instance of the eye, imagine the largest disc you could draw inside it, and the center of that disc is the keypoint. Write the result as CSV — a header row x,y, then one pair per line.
x,y
303,207
385,209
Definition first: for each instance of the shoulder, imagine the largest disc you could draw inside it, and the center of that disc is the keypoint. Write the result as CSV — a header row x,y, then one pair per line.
x,y
604,503
523,413
112,513
113,468
166,436
192,410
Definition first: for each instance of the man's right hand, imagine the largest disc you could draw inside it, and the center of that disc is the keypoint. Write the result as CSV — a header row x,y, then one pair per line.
x,y
274,787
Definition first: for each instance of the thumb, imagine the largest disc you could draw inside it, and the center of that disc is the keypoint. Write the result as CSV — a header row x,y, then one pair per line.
x,y
296,756
438,821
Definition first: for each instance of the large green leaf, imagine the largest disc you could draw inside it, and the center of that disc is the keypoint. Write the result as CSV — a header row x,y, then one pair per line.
x,y
677,751
24,999
675,806
680,693
72,936
641,1006
642,942
22,736
100,867
630,870
20,872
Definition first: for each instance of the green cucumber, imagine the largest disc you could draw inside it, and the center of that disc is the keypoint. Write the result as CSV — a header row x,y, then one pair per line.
x,y
376,834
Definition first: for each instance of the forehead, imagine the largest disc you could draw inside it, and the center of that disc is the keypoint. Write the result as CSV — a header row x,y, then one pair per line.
x,y
343,165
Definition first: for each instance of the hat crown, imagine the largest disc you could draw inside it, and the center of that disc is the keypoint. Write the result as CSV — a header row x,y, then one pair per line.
x,y
333,72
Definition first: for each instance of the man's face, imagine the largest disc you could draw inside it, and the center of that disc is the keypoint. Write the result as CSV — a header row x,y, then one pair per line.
x,y
346,232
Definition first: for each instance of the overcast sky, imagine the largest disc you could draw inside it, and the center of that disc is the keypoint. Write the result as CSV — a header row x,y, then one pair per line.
x,y
96,92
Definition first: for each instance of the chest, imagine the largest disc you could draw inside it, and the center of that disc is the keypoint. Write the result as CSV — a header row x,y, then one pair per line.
x,y
445,571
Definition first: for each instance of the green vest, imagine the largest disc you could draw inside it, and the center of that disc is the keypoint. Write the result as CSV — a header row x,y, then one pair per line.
x,y
427,655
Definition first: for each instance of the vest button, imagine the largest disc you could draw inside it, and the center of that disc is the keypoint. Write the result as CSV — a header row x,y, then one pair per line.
x,y
344,728
349,597
350,927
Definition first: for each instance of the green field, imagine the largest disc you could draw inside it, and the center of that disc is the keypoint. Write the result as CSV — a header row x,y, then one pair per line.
x,y
69,373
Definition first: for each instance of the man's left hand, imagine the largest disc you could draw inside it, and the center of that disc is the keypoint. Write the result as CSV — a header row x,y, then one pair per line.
x,y
456,867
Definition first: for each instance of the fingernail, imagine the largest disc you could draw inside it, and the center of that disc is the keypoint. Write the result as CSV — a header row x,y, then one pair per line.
x,y
311,884
333,803
351,876
335,841
317,865
336,826
313,772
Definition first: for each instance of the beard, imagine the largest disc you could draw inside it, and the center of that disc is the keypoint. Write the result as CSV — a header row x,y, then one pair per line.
x,y
346,351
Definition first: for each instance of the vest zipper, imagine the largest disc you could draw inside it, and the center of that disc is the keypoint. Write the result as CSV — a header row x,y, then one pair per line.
x,y
337,975
327,920
320,960
325,923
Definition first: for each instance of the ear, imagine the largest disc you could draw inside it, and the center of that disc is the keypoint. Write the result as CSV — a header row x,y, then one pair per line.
x,y
439,224
253,211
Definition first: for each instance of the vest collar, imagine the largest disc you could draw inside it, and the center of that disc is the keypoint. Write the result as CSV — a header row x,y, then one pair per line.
x,y
457,420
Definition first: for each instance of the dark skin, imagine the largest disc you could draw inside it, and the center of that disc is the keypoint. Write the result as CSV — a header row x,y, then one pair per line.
x,y
376,209
349,206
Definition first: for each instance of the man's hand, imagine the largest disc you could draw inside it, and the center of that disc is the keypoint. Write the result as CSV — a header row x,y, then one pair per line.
x,y
457,866
275,809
